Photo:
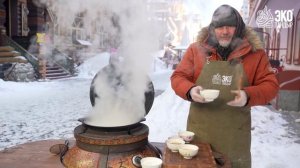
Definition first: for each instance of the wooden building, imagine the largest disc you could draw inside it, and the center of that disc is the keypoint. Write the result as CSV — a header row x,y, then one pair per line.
x,y
22,26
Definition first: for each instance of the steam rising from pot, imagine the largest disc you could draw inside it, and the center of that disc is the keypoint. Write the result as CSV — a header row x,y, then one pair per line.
x,y
127,24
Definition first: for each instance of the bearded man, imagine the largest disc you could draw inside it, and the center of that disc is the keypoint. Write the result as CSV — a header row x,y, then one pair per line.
x,y
229,57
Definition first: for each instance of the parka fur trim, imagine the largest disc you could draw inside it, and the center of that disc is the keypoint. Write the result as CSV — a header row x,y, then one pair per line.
x,y
253,39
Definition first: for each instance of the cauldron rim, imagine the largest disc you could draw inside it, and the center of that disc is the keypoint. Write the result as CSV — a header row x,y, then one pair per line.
x,y
112,128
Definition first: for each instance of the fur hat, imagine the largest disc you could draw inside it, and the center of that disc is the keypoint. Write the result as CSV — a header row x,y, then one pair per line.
x,y
226,15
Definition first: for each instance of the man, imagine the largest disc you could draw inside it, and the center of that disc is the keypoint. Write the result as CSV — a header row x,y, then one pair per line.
x,y
229,57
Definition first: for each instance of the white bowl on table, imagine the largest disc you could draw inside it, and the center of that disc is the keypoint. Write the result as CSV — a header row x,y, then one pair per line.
x,y
151,162
174,143
187,136
188,151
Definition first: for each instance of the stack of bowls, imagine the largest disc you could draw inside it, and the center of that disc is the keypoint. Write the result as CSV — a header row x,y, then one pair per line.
x,y
181,144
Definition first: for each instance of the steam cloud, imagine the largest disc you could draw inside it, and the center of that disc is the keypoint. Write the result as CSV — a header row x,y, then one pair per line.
x,y
136,38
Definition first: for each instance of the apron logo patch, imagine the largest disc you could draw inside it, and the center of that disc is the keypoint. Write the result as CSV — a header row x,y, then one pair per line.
x,y
226,80
217,79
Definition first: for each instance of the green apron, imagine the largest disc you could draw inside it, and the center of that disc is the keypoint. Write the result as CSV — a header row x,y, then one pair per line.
x,y
226,128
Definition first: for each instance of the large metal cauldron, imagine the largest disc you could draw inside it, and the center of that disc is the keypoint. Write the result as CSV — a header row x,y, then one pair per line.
x,y
111,87
115,80
110,147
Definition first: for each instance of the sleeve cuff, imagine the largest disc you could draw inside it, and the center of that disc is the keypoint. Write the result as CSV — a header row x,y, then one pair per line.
x,y
188,95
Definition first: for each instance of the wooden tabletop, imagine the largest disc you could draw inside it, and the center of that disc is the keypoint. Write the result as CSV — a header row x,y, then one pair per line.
x,y
31,155
204,158
37,155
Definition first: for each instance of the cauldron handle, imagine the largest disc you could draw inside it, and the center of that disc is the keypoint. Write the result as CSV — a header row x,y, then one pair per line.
x,y
81,120
157,151
136,160
62,154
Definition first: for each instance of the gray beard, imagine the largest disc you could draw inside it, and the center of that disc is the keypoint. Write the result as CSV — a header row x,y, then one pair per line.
x,y
224,44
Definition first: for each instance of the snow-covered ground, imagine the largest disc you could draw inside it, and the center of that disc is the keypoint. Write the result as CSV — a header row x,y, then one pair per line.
x,y
50,109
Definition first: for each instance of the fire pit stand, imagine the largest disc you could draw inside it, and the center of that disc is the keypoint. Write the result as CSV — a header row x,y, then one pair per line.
x,y
106,147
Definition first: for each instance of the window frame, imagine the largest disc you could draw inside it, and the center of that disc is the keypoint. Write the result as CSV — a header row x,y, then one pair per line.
x,y
290,43
296,51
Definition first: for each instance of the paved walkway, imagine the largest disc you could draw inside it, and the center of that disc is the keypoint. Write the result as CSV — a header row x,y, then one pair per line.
x,y
291,117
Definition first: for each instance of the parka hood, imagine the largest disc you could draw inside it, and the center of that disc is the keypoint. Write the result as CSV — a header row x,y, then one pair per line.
x,y
250,35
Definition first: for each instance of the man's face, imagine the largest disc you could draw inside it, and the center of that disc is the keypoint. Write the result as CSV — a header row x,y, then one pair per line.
x,y
224,35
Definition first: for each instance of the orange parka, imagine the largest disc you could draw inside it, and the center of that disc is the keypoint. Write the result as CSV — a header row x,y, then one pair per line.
x,y
263,85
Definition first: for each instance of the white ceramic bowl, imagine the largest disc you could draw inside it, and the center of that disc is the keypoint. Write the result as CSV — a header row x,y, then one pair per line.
x,y
151,162
174,143
209,94
188,151
187,136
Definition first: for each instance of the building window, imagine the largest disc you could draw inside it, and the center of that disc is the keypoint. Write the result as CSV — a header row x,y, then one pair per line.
x,y
24,22
296,53
273,44
290,45
277,44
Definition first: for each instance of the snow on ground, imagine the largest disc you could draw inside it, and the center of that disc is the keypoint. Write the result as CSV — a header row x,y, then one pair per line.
x,y
50,109
93,65
41,110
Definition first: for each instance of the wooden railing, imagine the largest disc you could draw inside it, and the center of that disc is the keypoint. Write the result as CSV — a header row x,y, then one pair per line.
x,y
65,62
51,14
289,81
31,58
